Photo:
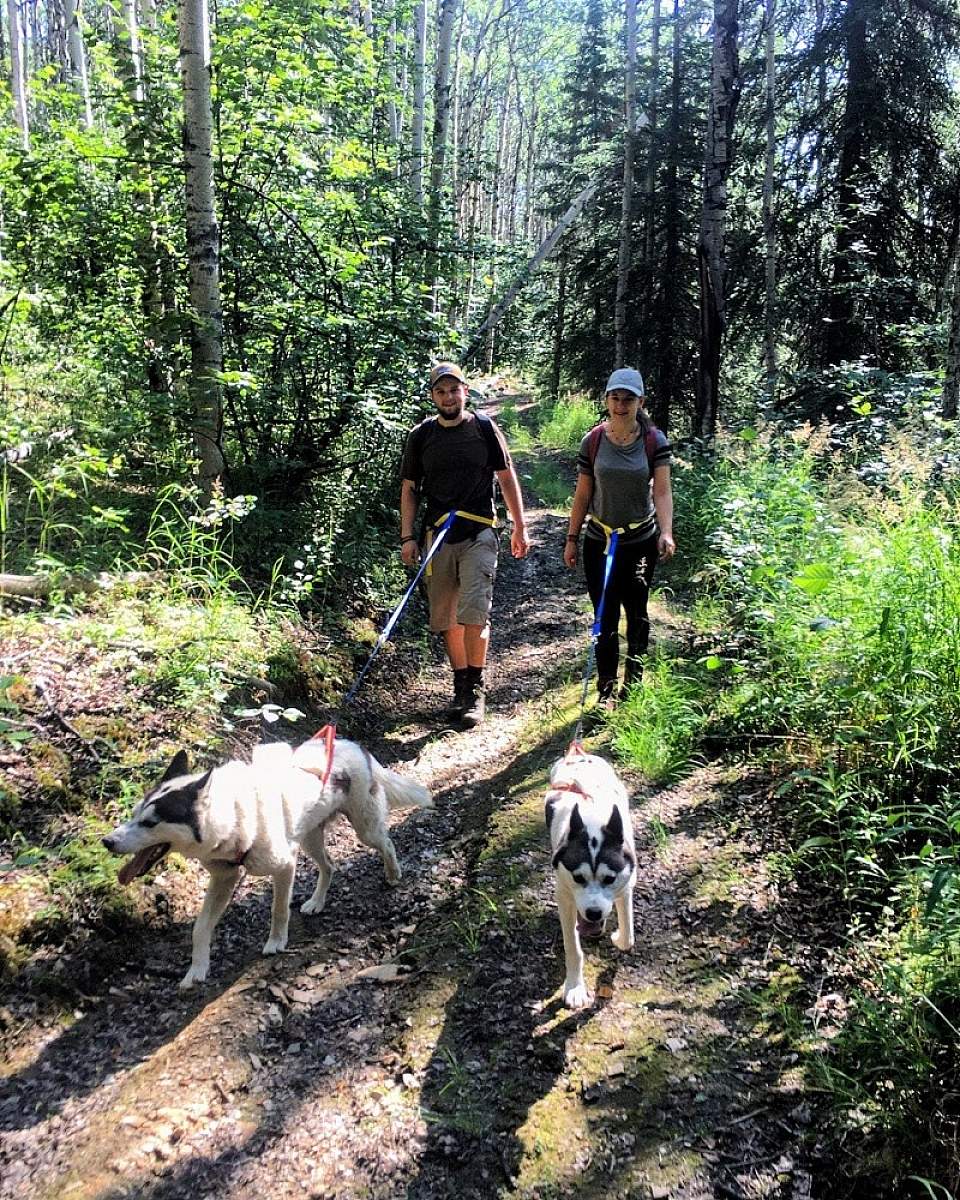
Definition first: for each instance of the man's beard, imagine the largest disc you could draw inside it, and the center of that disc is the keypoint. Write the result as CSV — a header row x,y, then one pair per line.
x,y
451,409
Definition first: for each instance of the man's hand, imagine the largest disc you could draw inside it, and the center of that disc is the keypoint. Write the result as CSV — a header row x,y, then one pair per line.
x,y
519,545
410,553
666,545
570,548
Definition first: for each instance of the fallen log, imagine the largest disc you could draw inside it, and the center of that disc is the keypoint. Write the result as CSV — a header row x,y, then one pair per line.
x,y
36,587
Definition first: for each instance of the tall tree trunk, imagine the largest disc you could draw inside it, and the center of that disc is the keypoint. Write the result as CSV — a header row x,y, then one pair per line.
x,y
393,112
649,187
419,99
668,308
203,241
843,337
951,374
78,58
18,76
495,223
438,156
769,215
529,205
626,206
559,327
711,246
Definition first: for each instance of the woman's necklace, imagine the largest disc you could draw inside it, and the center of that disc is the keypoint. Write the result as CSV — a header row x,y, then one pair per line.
x,y
621,437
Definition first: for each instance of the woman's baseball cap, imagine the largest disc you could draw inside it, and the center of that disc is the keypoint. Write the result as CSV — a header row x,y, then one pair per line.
x,y
628,379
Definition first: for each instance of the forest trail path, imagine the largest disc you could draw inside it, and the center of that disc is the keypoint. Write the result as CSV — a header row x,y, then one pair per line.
x,y
465,1077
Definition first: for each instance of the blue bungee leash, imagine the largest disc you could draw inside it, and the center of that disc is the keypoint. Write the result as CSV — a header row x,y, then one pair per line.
x,y
395,615
611,549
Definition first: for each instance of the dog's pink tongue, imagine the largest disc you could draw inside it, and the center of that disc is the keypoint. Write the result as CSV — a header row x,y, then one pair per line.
x,y
141,863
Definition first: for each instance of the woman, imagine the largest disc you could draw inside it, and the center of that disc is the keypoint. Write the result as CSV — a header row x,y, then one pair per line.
x,y
615,466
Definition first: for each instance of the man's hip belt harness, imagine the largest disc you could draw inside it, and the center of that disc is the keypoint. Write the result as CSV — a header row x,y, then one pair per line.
x,y
448,518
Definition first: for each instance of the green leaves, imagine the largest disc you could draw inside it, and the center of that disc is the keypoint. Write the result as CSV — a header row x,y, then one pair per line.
x,y
815,578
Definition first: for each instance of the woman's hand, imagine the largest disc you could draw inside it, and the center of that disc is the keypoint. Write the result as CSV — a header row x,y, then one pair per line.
x,y
410,553
570,548
666,545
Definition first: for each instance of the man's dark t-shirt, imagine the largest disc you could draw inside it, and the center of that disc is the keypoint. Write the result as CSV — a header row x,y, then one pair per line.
x,y
453,467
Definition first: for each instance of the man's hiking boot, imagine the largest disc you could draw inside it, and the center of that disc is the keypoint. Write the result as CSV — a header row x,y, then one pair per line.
x,y
459,702
475,706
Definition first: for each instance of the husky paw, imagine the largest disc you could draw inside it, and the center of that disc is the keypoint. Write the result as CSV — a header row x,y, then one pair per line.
x,y
312,906
275,944
393,880
194,975
621,940
577,996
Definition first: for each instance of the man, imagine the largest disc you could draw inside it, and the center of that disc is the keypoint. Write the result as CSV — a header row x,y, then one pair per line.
x,y
453,458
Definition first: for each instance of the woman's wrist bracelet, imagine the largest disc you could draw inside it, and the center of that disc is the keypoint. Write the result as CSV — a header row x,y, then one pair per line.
x,y
408,538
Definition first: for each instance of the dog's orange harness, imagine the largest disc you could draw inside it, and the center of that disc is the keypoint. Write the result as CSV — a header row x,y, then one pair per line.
x,y
327,734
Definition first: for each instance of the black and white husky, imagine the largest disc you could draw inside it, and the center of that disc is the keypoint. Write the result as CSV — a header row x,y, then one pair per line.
x,y
254,817
588,816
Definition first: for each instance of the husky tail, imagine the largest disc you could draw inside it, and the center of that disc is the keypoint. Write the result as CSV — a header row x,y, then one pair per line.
x,y
401,793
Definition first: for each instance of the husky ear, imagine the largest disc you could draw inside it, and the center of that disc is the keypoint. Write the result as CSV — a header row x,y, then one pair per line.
x,y
576,821
613,830
548,811
202,782
179,766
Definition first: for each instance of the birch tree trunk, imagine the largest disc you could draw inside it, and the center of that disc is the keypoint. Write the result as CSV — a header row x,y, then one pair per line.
x,y
769,217
18,78
711,246
419,99
203,242
438,155
626,207
78,57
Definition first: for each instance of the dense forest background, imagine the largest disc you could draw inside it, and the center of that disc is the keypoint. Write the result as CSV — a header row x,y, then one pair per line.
x,y
237,236
233,236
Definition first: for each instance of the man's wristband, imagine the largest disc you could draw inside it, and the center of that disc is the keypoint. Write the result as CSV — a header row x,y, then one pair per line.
x,y
409,538
573,537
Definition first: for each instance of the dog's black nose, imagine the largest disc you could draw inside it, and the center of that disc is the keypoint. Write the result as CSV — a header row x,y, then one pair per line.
x,y
108,843
593,915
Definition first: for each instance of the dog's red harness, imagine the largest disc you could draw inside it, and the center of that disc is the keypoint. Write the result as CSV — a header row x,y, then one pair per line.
x,y
327,734
574,750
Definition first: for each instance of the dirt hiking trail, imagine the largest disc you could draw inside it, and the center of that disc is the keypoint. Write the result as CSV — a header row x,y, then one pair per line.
x,y
452,1069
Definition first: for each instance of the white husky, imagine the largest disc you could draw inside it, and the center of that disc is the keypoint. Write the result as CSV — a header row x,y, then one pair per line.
x,y
588,816
254,817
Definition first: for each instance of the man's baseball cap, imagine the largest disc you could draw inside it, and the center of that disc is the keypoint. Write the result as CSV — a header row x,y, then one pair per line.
x,y
628,379
446,368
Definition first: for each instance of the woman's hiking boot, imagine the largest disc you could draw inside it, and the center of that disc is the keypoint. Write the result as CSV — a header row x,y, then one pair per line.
x,y
475,704
632,675
459,702
606,694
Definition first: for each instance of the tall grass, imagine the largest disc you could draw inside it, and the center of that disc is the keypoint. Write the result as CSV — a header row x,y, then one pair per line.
x,y
657,725
565,422
842,613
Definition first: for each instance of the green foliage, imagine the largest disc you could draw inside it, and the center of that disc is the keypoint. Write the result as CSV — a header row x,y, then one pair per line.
x,y
563,423
657,725
841,610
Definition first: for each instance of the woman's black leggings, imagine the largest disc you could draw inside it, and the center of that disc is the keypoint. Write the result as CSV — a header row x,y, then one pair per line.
x,y
629,587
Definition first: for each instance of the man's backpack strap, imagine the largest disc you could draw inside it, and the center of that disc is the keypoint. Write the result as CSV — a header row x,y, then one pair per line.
x,y
649,442
485,425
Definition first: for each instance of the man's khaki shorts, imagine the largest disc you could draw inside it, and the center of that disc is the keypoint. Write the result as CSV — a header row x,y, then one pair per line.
x,y
460,586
